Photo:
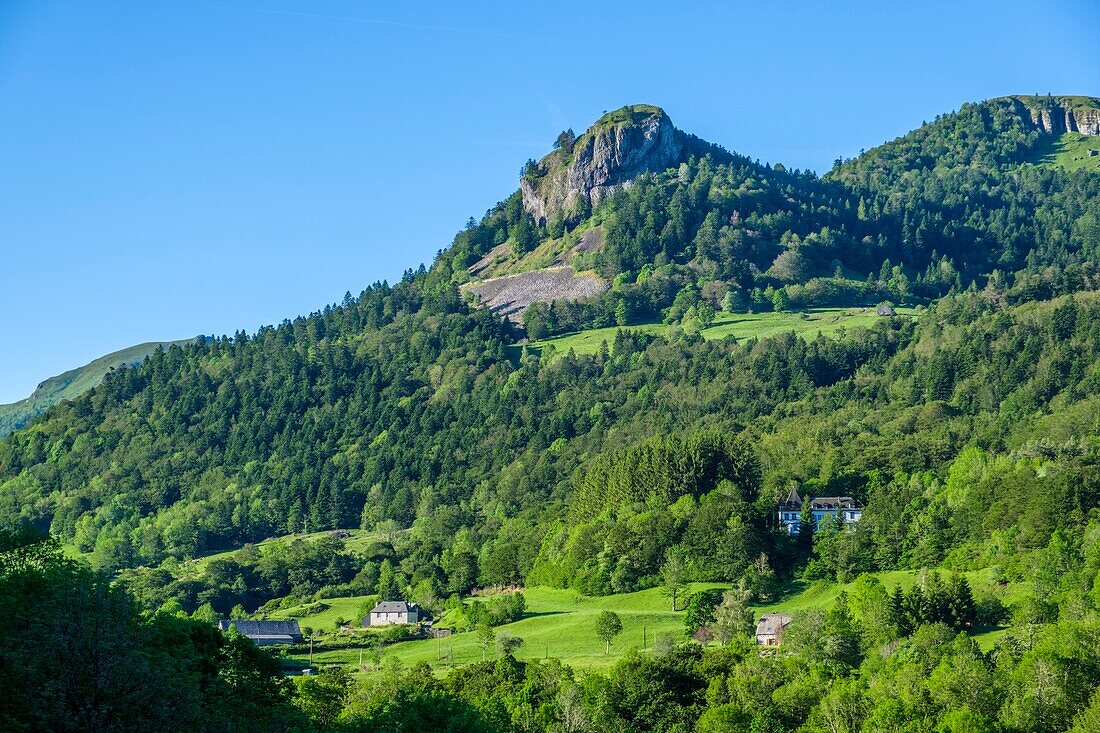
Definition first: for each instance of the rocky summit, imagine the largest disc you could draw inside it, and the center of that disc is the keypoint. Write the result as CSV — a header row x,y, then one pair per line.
x,y
620,146
1063,114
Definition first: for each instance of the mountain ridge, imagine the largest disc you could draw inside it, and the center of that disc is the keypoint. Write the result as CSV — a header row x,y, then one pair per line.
x,y
74,382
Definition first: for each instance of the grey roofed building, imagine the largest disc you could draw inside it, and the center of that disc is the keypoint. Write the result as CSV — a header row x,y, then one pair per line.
x,y
769,631
265,633
386,613
846,509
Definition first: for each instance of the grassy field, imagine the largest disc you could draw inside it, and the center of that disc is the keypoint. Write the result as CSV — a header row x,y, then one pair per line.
x,y
325,620
559,623
356,541
809,323
1070,150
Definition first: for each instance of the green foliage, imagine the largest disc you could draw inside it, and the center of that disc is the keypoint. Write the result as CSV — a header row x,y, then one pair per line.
x,y
74,645
661,470
700,609
608,626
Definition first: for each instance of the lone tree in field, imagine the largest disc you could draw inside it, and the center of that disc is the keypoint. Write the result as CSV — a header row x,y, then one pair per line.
x,y
673,577
509,644
608,626
485,638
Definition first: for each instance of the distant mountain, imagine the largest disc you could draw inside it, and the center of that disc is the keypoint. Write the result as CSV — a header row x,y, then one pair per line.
x,y
73,383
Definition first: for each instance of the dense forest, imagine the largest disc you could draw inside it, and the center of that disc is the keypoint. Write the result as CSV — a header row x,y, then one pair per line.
x,y
970,434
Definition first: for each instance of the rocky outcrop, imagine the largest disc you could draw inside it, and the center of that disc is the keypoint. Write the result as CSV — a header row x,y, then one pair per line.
x,y
1056,115
621,146
510,295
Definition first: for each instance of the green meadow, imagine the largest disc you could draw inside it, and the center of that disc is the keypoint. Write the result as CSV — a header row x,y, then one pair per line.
x,y
1070,150
560,624
808,324
355,541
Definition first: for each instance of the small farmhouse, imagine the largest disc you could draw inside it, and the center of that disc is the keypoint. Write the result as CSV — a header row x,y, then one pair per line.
x,y
844,508
769,632
266,633
387,613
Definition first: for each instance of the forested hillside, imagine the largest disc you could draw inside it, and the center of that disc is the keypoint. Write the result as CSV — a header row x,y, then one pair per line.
x,y
970,433
955,202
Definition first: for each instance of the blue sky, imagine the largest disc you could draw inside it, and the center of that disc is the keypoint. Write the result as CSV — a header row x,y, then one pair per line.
x,y
176,168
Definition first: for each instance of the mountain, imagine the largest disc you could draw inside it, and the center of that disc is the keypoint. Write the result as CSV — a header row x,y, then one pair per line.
x,y
403,400
967,431
73,383
635,220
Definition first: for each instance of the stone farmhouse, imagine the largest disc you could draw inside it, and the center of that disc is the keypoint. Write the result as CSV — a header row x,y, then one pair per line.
x,y
769,632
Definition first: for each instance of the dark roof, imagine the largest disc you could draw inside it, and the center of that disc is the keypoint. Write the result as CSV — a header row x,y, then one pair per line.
x,y
393,607
262,628
772,623
834,502
793,500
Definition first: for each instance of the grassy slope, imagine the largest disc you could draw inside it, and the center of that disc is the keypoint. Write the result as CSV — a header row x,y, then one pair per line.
x,y
72,384
325,621
827,321
1070,150
356,541
560,623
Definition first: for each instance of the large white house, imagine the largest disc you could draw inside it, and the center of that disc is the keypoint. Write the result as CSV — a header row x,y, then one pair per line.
x,y
388,613
844,508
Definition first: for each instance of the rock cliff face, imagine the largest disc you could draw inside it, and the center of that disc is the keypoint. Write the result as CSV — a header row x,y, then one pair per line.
x,y
1056,115
621,146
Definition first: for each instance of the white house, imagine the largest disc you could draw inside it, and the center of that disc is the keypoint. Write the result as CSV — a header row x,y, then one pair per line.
x,y
844,508
388,613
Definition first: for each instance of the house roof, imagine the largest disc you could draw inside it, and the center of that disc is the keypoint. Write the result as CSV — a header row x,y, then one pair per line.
x,y
834,502
772,623
262,629
793,500
393,607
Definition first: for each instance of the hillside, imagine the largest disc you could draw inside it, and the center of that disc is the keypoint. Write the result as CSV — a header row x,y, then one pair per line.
x,y
560,624
634,221
464,456
73,383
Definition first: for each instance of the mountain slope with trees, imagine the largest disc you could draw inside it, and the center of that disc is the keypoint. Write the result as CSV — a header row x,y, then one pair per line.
x,y
970,434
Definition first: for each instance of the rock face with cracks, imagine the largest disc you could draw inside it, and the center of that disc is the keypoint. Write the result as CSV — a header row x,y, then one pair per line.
x,y
1056,115
622,145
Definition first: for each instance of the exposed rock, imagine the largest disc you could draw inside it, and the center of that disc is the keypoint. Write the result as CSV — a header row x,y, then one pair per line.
x,y
590,241
621,146
1056,115
510,295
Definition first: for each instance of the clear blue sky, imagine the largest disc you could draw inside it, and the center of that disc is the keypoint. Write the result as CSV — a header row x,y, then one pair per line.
x,y
176,168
